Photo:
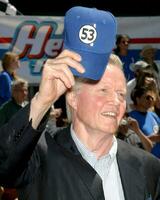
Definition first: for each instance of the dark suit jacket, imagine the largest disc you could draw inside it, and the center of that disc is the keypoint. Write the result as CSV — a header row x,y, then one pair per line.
x,y
54,169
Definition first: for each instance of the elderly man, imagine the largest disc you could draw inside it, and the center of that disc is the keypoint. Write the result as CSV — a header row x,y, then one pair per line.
x,y
19,90
83,161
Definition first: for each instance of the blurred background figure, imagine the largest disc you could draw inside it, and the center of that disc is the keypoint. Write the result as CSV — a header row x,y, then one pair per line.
x,y
19,97
55,115
10,63
144,99
144,75
127,57
149,143
148,54
130,132
56,120
126,134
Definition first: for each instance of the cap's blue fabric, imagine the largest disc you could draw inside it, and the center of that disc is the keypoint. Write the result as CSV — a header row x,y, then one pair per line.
x,y
91,33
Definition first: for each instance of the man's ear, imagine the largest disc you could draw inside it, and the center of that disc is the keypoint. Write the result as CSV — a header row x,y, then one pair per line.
x,y
71,98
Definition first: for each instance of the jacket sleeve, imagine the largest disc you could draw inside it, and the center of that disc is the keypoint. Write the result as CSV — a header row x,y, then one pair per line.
x,y
17,143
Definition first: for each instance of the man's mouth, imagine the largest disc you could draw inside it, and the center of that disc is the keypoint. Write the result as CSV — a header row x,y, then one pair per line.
x,y
109,114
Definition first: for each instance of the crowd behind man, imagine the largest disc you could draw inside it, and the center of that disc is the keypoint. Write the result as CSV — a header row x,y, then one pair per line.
x,y
142,99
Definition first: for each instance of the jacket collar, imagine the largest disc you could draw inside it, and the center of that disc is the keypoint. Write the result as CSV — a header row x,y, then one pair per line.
x,y
133,180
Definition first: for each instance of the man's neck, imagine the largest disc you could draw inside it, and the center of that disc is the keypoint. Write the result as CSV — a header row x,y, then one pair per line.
x,y
99,143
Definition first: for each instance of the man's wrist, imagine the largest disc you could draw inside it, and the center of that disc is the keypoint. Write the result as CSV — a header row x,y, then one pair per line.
x,y
37,110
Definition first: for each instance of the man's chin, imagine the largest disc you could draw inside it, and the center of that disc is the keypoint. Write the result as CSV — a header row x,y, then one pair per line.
x,y
110,130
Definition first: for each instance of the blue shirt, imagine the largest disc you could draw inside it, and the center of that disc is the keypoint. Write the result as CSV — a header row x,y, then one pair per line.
x,y
5,86
130,58
149,122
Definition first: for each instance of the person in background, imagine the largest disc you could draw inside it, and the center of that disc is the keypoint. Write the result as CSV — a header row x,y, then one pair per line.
x,y
55,120
83,161
126,134
19,90
130,132
10,63
19,96
56,114
144,99
148,54
127,56
149,143
144,75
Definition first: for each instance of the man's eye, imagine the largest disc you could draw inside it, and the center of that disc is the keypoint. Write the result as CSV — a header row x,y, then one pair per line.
x,y
104,90
121,95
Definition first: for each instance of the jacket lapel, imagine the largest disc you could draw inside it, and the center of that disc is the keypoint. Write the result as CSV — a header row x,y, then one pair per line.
x,y
133,181
88,175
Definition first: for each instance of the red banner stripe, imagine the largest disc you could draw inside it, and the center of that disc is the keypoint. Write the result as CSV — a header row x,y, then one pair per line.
x,y
5,40
133,40
145,40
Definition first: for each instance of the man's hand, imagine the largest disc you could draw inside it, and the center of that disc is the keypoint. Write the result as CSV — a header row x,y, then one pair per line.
x,y
56,79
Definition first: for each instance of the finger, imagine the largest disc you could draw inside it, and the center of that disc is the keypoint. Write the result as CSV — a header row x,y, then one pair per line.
x,y
61,67
71,63
67,75
63,73
73,60
71,54
68,62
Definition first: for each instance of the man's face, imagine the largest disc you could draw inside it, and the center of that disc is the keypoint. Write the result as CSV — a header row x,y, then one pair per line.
x,y
100,107
21,94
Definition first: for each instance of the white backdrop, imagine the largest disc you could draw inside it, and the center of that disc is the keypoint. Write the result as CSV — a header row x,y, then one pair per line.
x,y
35,38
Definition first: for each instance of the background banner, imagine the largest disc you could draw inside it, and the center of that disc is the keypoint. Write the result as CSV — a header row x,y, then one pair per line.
x,y
36,38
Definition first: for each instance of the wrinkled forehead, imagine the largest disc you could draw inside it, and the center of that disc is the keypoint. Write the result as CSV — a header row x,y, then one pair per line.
x,y
113,75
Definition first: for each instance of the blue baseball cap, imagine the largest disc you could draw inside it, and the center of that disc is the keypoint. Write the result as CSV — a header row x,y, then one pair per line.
x,y
92,34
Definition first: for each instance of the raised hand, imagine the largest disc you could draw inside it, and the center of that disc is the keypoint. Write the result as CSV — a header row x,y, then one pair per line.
x,y
56,79
57,76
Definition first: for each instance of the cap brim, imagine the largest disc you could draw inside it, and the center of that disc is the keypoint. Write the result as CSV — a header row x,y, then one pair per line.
x,y
94,64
